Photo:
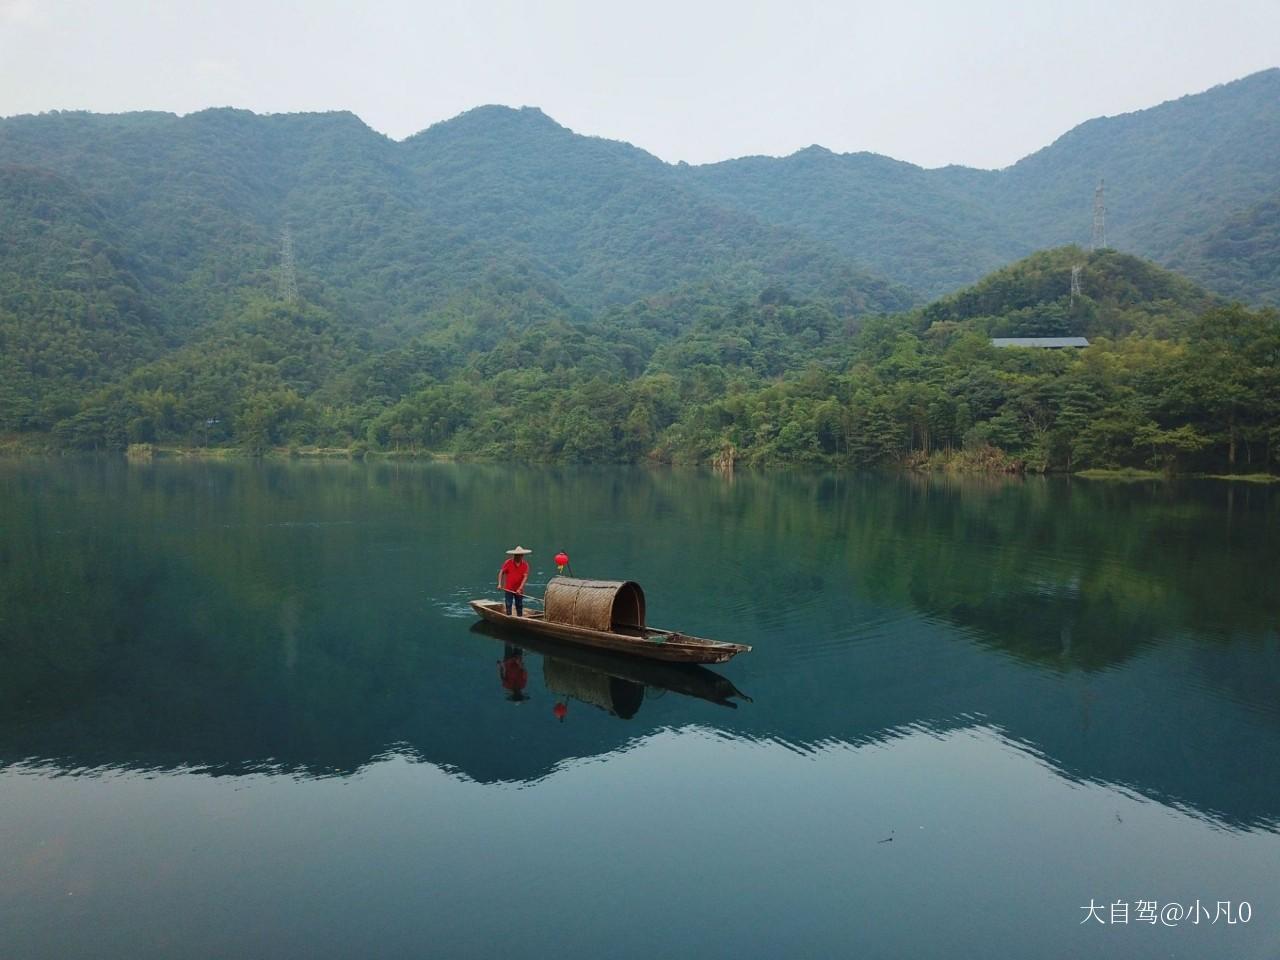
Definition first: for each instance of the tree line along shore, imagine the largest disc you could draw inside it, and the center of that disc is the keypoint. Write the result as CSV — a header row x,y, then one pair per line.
x,y
1173,381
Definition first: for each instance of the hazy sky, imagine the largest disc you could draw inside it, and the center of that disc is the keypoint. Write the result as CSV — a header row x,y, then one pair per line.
x,y
978,82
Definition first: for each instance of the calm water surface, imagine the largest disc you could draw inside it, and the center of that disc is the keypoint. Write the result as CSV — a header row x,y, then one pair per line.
x,y
244,712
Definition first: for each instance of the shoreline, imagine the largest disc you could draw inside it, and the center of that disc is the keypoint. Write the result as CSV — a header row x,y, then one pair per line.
x,y
144,452
1131,475
26,447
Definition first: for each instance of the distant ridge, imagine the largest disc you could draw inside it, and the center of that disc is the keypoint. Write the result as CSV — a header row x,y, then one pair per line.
x,y
1176,174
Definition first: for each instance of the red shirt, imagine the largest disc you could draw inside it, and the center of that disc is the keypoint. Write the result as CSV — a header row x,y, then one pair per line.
x,y
514,573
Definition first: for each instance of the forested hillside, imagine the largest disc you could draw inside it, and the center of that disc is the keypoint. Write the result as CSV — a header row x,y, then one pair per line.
x,y
1174,379
609,222
499,286
397,227
1240,258
73,313
494,209
1177,176
931,229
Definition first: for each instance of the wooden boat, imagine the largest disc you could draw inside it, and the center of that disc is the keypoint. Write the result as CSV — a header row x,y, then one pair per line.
x,y
609,615
649,642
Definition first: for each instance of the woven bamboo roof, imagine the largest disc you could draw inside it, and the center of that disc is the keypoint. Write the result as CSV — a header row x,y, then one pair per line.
x,y
607,605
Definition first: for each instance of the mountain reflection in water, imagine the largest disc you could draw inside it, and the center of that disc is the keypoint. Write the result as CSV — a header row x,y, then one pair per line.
x,y
306,619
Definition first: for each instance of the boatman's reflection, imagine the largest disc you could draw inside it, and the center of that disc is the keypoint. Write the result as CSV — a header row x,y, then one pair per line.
x,y
512,673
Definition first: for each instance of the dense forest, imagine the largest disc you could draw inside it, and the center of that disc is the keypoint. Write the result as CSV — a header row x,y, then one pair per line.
x,y
498,286
1174,379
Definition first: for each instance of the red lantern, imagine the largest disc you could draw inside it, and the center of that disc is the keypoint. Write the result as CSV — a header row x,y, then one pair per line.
x,y
562,561
560,710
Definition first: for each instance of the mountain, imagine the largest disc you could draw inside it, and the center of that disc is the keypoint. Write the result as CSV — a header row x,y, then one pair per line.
x,y
1173,379
607,221
180,222
1174,174
204,199
384,231
1120,294
930,230
393,228
1239,258
73,313
500,286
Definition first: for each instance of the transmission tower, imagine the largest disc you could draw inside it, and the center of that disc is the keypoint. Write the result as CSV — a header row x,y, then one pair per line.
x,y
288,269
1075,284
1099,240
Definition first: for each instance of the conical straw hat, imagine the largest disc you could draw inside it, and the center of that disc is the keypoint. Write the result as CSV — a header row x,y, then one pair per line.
x,y
519,551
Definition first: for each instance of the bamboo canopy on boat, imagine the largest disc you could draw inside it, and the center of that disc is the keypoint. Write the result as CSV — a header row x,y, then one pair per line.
x,y
607,605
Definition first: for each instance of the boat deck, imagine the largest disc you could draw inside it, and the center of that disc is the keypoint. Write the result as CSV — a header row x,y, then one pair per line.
x,y
648,642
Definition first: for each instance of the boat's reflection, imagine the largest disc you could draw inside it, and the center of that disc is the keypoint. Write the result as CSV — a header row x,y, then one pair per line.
x,y
616,684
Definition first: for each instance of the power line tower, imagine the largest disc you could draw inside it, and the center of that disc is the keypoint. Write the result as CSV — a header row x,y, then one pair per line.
x,y
288,268
1099,240
1075,284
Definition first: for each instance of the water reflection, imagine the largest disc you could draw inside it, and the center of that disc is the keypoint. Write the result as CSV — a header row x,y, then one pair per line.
x,y
615,696
512,673
616,684
231,618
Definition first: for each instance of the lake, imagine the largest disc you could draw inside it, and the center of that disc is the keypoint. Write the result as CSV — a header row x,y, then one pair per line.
x,y
245,712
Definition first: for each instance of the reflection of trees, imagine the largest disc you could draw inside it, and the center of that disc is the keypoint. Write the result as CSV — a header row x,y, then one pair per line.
x,y
1017,561
1116,565
232,616
1022,563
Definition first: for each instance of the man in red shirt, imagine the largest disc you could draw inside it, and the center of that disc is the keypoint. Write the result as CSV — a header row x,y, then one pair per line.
x,y
511,578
